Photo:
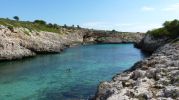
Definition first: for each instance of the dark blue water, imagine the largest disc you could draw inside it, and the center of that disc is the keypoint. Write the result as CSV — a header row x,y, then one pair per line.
x,y
71,75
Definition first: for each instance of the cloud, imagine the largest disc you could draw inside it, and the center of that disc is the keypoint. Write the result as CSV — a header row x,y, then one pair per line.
x,y
169,8
125,24
97,25
146,8
142,27
173,7
127,27
106,25
94,23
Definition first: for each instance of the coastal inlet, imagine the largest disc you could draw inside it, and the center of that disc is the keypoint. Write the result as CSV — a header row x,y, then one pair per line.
x,y
72,75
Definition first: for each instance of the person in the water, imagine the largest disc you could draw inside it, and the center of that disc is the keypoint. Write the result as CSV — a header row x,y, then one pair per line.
x,y
68,70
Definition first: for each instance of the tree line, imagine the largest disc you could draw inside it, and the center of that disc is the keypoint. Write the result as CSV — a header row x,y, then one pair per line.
x,y
50,25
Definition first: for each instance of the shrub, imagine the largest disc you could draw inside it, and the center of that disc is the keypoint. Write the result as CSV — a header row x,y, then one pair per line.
x,y
50,25
113,31
172,27
38,25
42,22
16,18
65,26
161,32
169,29
11,28
73,26
55,26
78,27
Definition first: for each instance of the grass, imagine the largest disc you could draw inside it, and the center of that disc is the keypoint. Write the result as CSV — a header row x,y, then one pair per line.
x,y
29,25
40,25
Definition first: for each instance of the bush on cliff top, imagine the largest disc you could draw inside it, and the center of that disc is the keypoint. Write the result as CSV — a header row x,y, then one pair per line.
x,y
159,32
169,29
38,25
41,22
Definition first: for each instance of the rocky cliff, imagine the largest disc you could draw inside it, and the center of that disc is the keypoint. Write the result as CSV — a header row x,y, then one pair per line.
x,y
150,43
154,78
21,42
18,43
113,37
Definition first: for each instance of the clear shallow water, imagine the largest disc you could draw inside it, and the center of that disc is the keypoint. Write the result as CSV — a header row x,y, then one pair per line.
x,y
46,77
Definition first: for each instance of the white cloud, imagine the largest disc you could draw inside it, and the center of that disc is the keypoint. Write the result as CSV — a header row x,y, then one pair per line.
x,y
97,25
146,8
169,8
93,24
141,27
127,27
173,7
125,24
106,25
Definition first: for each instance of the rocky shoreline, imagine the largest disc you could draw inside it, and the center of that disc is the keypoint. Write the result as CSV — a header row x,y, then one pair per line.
x,y
18,43
154,78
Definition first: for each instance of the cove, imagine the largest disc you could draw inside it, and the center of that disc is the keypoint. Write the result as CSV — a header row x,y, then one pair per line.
x,y
71,75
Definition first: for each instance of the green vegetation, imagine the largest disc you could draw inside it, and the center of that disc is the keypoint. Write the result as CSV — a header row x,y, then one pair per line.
x,y
169,29
160,32
65,26
41,22
41,25
38,25
16,18
113,31
78,27
10,28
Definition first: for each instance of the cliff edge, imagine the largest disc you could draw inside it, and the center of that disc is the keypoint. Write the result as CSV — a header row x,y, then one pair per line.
x,y
20,42
154,78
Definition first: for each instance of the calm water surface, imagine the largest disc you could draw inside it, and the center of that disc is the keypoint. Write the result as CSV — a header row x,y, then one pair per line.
x,y
71,75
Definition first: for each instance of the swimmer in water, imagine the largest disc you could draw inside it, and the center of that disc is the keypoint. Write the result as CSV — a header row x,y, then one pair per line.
x,y
68,70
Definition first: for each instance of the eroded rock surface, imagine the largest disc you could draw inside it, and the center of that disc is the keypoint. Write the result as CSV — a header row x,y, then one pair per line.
x,y
22,42
154,78
18,43
114,37
150,43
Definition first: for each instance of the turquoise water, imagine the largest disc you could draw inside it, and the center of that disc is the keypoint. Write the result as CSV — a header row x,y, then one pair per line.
x,y
71,75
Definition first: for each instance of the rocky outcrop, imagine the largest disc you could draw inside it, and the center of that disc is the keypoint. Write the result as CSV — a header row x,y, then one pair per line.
x,y
113,37
121,38
154,78
22,42
150,43
17,43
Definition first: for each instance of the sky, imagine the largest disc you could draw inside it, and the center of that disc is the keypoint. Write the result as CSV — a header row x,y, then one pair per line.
x,y
121,15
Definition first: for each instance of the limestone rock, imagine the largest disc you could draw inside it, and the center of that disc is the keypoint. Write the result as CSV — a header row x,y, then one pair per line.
x,y
154,78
